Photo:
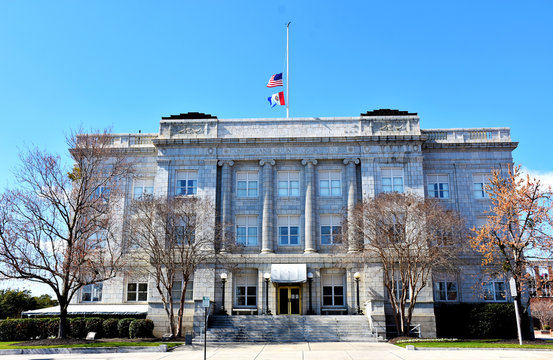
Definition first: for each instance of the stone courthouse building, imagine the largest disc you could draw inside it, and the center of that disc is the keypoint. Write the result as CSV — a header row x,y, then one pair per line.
x,y
285,185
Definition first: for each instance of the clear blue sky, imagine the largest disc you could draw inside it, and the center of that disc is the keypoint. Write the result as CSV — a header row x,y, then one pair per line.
x,y
124,64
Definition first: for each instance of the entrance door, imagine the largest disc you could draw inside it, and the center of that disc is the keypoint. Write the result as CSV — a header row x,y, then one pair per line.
x,y
289,300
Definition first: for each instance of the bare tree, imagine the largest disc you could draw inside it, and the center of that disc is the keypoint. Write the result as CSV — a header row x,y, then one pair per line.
x,y
542,309
172,237
58,226
411,237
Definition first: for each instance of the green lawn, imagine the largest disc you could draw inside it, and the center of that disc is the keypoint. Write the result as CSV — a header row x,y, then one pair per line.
x,y
9,345
475,344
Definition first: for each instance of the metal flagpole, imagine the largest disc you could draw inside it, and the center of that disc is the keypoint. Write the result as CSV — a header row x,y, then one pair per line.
x,y
287,76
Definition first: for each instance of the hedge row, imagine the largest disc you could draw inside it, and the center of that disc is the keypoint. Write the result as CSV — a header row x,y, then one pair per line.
x,y
477,321
41,328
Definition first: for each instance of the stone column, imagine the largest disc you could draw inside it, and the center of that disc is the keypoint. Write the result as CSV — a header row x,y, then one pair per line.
x,y
226,204
267,227
351,179
309,227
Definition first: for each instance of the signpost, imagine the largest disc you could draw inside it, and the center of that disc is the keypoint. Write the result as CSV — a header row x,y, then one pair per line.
x,y
205,303
514,294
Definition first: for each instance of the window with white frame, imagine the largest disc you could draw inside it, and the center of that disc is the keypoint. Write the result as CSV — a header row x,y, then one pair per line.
x,y
392,180
142,188
137,291
98,239
91,292
246,290
331,229
186,232
289,230
288,183
397,289
330,183
438,186
247,183
101,192
246,230
177,290
187,183
445,290
479,182
333,289
494,290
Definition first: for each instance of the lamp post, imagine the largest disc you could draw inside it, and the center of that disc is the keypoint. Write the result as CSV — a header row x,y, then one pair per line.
x,y
267,277
310,280
223,281
357,277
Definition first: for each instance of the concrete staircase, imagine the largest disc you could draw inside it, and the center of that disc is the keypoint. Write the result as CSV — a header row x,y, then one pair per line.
x,y
268,328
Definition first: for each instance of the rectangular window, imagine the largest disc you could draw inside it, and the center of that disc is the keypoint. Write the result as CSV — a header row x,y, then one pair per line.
x,y
479,182
445,290
494,290
246,230
288,230
333,289
143,188
185,233
98,240
137,291
438,186
91,292
177,288
187,183
397,289
246,290
101,192
330,183
392,180
331,229
288,183
247,183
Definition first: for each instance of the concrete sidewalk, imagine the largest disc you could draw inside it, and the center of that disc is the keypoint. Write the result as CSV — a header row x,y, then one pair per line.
x,y
304,351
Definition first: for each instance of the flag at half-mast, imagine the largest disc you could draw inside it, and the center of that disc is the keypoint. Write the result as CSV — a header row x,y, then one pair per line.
x,y
276,99
276,80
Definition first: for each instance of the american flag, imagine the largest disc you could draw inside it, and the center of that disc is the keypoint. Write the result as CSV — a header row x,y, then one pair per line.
x,y
276,80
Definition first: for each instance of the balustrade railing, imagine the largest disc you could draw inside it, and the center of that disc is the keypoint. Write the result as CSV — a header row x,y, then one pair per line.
x,y
468,135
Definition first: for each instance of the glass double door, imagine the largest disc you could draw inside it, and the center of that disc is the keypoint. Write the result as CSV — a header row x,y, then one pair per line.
x,y
289,300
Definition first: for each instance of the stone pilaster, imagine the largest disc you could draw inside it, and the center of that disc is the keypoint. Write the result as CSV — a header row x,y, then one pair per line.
x,y
226,205
351,179
161,182
267,224
310,246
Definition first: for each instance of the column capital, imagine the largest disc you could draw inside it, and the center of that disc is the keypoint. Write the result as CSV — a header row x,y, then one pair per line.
x,y
225,162
267,161
307,161
351,160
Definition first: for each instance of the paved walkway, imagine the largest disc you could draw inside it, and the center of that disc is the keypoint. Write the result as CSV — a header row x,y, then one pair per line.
x,y
304,351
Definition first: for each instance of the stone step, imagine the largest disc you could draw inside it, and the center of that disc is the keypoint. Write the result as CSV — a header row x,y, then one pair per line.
x,y
267,328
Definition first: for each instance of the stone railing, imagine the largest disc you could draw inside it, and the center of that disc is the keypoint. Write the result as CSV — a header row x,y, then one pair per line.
x,y
133,140
468,135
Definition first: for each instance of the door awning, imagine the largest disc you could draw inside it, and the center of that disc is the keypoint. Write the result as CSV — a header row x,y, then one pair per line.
x,y
288,273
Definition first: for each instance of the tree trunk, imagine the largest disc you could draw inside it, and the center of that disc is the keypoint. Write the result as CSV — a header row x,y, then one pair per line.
x,y
63,329
181,309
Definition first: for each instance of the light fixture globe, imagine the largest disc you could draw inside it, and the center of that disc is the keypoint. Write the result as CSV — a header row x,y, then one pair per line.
x,y
310,275
357,276
224,276
266,276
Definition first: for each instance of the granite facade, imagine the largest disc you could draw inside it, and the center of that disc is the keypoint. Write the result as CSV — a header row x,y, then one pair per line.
x,y
338,161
